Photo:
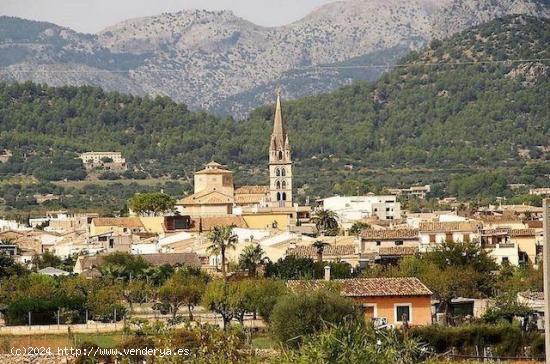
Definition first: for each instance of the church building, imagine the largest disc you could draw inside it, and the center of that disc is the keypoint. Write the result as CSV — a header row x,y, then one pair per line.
x,y
215,194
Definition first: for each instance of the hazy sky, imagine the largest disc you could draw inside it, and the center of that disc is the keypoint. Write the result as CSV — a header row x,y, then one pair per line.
x,y
93,15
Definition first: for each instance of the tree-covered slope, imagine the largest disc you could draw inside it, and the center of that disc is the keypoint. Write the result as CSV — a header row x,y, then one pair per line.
x,y
460,102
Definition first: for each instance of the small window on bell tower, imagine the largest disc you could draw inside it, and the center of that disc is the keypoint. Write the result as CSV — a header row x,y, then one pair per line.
x,y
280,155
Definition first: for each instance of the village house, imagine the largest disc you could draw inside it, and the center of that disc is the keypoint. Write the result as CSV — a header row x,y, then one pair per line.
x,y
417,191
394,300
332,253
354,208
514,246
373,239
120,225
104,160
433,233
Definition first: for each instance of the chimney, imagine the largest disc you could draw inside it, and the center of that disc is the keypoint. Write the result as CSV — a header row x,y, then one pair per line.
x,y
327,273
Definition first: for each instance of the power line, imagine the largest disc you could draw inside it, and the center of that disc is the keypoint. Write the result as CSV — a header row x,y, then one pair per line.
x,y
388,65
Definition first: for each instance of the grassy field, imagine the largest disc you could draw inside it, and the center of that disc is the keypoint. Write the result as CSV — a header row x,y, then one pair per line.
x,y
59,341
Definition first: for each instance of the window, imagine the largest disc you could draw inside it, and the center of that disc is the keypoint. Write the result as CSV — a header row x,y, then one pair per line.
x,y
449,236
278,184
278,196
283,172
370,310
280,155
403,311
432,238
378,243
277,172
466,238
505,260
284,196
398,242
283,185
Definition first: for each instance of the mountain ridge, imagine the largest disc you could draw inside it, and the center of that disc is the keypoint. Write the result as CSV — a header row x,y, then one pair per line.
x,y
208,59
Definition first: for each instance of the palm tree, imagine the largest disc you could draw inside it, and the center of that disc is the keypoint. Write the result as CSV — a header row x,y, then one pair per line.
x,y
222,238
325,220
320,246
251,257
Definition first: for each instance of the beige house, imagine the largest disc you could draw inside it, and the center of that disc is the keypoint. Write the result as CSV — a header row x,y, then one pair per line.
x,y
105,160
120,225
434,233
372,240
331,253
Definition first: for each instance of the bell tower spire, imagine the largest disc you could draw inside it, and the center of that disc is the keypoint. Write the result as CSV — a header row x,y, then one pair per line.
x,y
280,161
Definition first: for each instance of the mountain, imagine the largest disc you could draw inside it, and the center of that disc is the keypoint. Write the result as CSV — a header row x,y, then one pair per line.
x,y
222,63
469,113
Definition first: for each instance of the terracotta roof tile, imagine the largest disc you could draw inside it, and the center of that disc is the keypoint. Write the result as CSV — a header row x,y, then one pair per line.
x,y
508,218
534,224
449,226
252,190
207,198
207,223
530,295
391,234
248,198
370,287
523,232
127,222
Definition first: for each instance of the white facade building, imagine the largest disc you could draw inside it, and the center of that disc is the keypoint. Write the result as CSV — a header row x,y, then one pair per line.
x,y
353,208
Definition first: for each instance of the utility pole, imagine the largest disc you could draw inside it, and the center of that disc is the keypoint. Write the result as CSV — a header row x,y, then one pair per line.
x,y
546,262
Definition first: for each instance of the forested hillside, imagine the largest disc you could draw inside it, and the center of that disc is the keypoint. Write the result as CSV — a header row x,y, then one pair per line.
x,y
465,104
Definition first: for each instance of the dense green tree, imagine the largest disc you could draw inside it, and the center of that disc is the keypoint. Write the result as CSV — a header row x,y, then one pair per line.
x,y
151,204
182,289
299,314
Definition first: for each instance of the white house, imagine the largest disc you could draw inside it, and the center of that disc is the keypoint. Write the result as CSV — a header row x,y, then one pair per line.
x,y
353,208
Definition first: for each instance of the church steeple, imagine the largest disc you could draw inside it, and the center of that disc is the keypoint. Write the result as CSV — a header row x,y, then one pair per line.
x,y
278,136
280,161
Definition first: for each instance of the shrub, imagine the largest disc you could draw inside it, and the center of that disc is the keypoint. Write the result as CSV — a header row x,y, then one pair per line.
x,y
505,339
355,342
299,314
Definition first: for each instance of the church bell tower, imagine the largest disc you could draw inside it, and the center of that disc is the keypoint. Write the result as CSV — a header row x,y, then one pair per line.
x,y
280,162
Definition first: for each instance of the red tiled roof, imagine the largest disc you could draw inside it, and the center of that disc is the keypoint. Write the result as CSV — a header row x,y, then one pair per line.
x,y
207,198
507,218
254,190
127,222
329,251
391,234
449,226
534,224
523,232
207,223
370,287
